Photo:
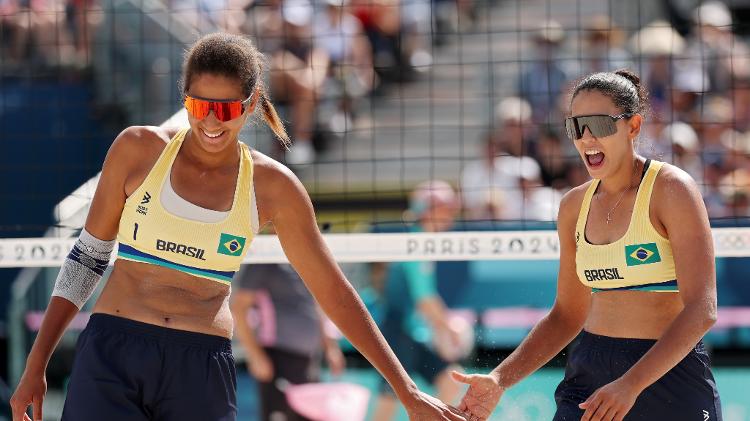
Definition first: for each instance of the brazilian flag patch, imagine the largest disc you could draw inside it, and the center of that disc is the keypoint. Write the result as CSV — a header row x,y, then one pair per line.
x,y
231,245
642,254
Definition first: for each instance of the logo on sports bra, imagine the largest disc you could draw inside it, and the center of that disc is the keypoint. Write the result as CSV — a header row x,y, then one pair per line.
x,y
642,254
146,199
231,245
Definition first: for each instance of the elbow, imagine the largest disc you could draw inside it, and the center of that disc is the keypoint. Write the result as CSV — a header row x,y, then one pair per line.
x,y
706,315
710,317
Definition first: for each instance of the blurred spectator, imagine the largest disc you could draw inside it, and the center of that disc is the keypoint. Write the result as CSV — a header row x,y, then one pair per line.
x,y
483,182
289,339
684,149
415,313
715,126
738,146
212,15
543,78
528,199
713,195
298,71
603,46
416,33
340,34
736,190
34,32
740,96
513,127
553,159
381,21
658,44
715,49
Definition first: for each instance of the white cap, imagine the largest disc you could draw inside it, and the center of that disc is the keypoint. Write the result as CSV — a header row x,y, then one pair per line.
x,y
681,134
523,167
658,38
549,31
514,109
713,13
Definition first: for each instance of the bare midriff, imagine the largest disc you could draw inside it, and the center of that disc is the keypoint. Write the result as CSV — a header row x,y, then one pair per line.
x,y
168,298
632,314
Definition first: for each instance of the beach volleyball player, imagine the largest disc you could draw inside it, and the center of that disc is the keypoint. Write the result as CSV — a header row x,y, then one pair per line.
x,y
636,274
184,205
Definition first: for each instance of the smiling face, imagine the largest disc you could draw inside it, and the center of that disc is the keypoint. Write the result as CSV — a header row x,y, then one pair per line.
x,y
211,134
605,155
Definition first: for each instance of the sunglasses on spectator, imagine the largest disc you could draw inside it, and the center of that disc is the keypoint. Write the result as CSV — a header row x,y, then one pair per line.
x,y
600,125
224,110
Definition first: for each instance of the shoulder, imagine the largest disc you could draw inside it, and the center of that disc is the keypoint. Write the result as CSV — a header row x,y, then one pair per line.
x,y
675,190
670,178
269,174
571,202
275,184
137,142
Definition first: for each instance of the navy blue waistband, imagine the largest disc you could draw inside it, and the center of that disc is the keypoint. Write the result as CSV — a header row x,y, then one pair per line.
x,y
609,343
113,324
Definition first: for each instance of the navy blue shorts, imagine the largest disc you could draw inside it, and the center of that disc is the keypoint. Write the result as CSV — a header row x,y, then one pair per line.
x,y
126,370
686,392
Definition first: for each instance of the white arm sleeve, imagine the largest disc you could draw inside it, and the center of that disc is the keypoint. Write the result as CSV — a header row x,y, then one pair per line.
x,y
83,268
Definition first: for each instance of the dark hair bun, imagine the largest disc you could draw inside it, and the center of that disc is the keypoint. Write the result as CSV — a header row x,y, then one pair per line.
x,y
629,75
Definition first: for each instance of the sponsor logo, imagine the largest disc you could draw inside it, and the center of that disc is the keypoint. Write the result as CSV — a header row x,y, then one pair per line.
x,y
231,245
642,254
143,210
705,415
602,274
180,249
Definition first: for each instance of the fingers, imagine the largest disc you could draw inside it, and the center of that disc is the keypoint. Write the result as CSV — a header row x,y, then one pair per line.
x,y
606,415
453,414
591,405
461,377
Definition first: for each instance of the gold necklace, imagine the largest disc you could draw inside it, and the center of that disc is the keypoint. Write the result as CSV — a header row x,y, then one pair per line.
x,y
622,195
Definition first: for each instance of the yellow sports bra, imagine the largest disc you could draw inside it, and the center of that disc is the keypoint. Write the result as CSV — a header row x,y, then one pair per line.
x,y
210,250
641,260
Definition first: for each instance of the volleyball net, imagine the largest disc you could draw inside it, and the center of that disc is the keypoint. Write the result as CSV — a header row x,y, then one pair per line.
x,y
469,92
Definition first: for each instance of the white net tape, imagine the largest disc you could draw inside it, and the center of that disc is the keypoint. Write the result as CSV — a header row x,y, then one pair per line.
x,y
381,247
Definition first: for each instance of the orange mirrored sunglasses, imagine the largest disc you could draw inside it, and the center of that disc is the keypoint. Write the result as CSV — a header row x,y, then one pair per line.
x,y
224,110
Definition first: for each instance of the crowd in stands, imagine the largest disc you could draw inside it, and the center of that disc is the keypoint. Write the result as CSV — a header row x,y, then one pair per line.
x,y
699,118
328,56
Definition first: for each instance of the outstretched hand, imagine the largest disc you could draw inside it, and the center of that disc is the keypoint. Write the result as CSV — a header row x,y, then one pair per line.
x,y
482,396
428,408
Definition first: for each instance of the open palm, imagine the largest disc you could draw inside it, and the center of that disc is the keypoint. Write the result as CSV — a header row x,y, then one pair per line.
x,y
482,396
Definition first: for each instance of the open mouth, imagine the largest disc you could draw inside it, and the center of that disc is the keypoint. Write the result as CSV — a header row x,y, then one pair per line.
x,y
594,158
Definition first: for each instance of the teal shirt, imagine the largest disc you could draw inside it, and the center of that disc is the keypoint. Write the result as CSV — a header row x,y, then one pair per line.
x,y
421,282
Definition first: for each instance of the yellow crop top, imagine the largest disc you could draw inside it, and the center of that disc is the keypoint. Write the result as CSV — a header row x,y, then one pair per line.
x,y
641,260
210,250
